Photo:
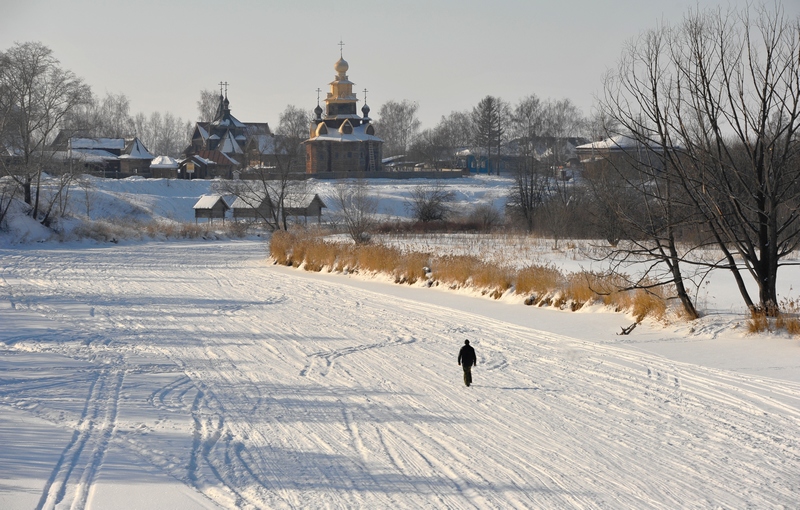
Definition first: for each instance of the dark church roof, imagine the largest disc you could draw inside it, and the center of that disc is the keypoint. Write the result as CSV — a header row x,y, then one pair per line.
x,y
225,133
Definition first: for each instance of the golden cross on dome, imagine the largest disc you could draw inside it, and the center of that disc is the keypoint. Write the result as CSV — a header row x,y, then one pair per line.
x,y
341,45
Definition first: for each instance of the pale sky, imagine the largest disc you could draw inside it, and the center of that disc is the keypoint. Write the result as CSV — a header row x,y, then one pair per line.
x,y
444,54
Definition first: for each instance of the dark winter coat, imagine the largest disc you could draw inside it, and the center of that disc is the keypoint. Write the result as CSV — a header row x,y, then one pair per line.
x,y
466,356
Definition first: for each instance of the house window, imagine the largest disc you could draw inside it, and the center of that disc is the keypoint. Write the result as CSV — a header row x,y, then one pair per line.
x,y
349,154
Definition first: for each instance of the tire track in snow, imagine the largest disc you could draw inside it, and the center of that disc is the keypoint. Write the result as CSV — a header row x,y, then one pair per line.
x,y
625,383
334,417
101,405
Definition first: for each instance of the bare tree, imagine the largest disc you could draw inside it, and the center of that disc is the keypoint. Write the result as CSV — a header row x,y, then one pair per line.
x,y
292,130
457,133
113,117
8,191
430,202
654,213
557,213
719,96
165,135
561,119
529,191
207,105
37,97
277,181
439,147
398,125
486,216
357,209
528,123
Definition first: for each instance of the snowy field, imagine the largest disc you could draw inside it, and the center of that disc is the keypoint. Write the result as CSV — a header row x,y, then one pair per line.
x,y
196,375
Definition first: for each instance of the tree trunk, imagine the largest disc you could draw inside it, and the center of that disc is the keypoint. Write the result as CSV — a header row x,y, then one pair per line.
x,y
680,288
26,187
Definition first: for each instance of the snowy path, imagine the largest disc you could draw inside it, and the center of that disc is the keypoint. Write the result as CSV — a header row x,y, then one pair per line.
x,y
199,370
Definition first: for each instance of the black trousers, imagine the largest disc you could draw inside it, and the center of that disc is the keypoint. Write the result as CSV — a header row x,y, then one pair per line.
x,y
467,375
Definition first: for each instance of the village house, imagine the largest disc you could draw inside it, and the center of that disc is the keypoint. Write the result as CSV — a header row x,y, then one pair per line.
x,y
164,167
109,157
620,151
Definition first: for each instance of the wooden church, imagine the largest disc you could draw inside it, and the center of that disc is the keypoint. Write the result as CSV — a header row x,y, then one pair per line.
x,y
341,141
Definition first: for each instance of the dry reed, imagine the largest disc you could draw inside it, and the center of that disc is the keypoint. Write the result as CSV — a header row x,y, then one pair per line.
x,y
545,284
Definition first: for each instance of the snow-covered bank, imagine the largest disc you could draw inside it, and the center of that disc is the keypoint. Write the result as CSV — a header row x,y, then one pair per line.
x,y
196,369
171,200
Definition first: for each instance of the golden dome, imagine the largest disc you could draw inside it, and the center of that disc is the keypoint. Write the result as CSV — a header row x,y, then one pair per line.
x,y
341,66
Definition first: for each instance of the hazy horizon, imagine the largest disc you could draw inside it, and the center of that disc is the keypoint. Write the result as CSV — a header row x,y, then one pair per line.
x,y
444,55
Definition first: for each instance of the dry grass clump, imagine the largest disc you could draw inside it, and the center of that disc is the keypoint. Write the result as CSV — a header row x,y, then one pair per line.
x,y
495,279
318,254
790,323
377,258
459,271
758,321
538,280
454,270
107,231
589,286
788,317
346,258
280,247
545,284
648,303
192,231
310,251
411,267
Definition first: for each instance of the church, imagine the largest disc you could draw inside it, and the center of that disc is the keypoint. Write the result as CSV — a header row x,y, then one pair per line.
x,y
228,144
341,141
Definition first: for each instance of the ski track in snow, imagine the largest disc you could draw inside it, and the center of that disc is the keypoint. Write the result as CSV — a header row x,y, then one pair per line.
x,y
262,389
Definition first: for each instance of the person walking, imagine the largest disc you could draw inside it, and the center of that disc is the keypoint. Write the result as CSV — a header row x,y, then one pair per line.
x,y
467,359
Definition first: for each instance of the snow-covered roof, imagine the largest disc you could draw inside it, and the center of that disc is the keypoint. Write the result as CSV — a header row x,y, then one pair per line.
x,y
84,156
164,162
253,198
97,143
136,150
248,200
198,159
616,142
229,144
301,200
265,143
228,120
218,157
393,159
358,135
208,202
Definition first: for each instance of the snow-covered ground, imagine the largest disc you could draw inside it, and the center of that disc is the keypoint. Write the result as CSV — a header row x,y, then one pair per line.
x,y
196,375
